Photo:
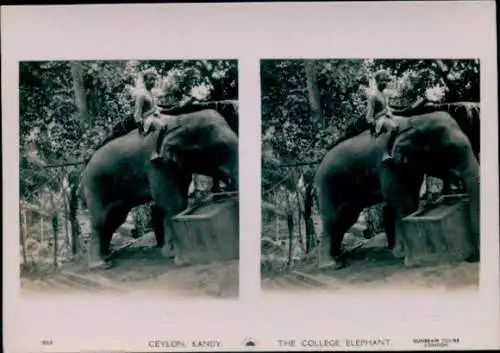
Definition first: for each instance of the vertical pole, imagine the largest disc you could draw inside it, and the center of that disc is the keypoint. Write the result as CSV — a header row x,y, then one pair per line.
x,y
41,228
276,238
289,220
66,215
24,234
55,227
299,219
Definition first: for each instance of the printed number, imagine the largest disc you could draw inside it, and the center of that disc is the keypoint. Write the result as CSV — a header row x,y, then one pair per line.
x,y
47,342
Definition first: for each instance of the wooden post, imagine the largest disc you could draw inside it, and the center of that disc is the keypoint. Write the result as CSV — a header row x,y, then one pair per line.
x,y
310,232
276,238
55,227
73,205
41,228
24,234
289,219
66,218
299,219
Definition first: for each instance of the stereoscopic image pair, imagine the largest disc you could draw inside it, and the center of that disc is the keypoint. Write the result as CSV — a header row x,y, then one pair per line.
x,y
129,175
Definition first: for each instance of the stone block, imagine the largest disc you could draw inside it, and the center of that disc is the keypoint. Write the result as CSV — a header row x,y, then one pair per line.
x,y
437,234
208,232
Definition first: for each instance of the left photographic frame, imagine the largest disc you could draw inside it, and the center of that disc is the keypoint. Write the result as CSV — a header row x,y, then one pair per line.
x,y
129,177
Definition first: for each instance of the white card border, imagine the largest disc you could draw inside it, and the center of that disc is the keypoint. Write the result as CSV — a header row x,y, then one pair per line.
x,y
250,32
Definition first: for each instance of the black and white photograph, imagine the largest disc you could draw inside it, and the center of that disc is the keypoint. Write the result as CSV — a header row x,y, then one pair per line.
x,y
370,174
269,176
129,177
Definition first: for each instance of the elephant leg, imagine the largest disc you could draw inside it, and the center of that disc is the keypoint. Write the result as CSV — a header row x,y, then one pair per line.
x,y
97,246
401,193
157,221
117,214
335,225
169,193
176,205
97,213
389,219
103,227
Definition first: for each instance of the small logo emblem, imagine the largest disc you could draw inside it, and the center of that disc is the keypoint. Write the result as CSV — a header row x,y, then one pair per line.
x,y
249,342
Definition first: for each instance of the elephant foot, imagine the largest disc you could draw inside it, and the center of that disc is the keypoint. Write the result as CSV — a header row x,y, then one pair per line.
x,y
100,265
339,263
398,252
167,252
474,257
333,264
181,260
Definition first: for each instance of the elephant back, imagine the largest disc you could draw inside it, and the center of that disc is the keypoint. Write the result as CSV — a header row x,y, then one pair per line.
x,y
354,128
227,108
123,127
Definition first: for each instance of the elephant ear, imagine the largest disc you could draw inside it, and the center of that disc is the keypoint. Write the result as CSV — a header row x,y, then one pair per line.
x,y
415,143
180,142
407,145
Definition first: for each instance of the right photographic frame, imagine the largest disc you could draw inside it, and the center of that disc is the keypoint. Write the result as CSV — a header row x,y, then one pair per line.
x,y
370,174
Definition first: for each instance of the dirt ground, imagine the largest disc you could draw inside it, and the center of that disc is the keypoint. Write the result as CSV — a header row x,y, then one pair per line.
x,y
374,267
140,268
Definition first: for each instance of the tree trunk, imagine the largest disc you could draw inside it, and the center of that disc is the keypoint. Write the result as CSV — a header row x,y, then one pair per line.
x,y
66,218
299,219
310,232
79,89
41,229
289,221
55,226
73,205
277,236
313,94
55,229
24,234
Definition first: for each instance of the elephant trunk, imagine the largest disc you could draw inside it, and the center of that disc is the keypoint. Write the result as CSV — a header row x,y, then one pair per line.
x,y
227,172
469,173
233,164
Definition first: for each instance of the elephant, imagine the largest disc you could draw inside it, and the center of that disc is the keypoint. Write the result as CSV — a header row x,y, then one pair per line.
x,y
120,176
352,176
